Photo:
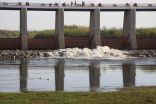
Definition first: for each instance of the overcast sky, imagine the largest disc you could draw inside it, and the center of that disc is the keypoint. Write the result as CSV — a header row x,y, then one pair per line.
x,y
41,20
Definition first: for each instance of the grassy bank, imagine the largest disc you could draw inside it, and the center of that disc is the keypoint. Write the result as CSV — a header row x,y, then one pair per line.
x,y
128,96
79,31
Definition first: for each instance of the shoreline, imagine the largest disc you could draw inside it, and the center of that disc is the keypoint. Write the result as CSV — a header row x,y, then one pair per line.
x,y
126,96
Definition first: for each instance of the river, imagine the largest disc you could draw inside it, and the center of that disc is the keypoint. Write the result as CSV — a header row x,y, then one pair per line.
x,y
76,75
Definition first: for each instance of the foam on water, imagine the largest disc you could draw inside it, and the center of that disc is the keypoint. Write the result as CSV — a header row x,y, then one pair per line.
x,y
99,52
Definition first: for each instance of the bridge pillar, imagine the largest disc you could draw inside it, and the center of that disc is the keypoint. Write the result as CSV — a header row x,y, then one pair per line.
x,y
59,28
129,32
94,29
23,29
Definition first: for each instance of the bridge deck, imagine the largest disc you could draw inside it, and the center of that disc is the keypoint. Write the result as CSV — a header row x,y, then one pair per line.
x,y
80,8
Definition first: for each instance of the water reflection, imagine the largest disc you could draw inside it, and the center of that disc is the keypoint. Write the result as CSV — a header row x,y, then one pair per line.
x,y
94,76
23,74
129,73
59,75
148,69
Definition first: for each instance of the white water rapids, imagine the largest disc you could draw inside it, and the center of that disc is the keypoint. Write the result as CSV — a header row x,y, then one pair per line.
x,y
99,52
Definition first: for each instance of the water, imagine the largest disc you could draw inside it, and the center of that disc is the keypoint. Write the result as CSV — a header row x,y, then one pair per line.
x,y
74,75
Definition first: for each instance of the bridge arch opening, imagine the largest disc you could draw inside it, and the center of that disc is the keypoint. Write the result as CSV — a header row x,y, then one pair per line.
x,y
76,28
41,24
146,29
111,26
9,29
41,29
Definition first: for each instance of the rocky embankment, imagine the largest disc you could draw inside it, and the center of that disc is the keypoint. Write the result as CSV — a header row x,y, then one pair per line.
x,y
141,53
99,52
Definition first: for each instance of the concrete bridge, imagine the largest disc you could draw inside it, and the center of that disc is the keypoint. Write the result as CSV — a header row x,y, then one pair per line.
x,y
129,24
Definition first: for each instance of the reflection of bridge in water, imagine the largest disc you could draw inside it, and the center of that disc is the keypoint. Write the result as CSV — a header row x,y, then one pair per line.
x,y
128,70
59,75
23,74
129,25
129,73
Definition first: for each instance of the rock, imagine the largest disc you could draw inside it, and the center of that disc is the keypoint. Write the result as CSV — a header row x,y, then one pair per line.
x,y
45,54
100,52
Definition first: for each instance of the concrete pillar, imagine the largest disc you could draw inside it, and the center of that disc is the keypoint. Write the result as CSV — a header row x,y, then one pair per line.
x,y
129,73
129,32
59,75
94,76
23,29
23,74
94,30
59,28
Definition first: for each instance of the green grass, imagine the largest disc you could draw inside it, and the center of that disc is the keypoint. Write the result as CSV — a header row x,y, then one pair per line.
x,y
9,34
111,33
79,31
42,34
126,96
146,32
76,31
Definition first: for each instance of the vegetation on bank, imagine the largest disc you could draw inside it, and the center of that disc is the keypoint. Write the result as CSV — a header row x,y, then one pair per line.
x,y
9,34
79,31
127,96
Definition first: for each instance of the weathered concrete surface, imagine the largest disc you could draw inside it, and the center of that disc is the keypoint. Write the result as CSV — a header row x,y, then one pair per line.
x,y
94,29
129,32
23,29
59,28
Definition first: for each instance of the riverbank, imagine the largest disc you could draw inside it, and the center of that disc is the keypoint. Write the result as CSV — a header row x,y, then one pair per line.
x,y
125,96
101,52
73,30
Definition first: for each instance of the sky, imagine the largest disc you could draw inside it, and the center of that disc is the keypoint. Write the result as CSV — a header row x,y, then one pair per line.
x,y
41,20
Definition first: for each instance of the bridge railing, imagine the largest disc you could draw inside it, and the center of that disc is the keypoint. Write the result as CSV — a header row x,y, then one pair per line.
x,y
146,5
75,5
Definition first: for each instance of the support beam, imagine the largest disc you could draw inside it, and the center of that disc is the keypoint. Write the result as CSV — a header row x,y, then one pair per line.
x,y
59,28
94,29
23,29
129,32
59,76
129,73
